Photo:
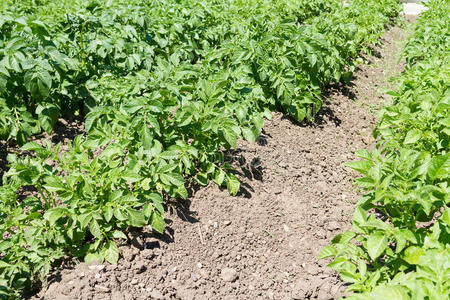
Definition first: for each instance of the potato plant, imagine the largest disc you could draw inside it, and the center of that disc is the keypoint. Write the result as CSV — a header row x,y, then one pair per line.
x,y
399,246
164,88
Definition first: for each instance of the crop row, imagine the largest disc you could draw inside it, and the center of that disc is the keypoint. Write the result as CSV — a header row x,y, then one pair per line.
x,y
165,87
399,246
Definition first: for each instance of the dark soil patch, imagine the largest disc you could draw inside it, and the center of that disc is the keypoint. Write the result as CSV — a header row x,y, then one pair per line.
x,y
296,196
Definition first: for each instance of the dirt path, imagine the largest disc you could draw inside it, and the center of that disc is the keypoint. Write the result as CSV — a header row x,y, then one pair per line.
x,y
262,244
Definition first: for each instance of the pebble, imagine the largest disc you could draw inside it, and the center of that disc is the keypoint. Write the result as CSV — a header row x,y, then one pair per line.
x,y
199,265
286,228
102,288
194,277
216,225
228,274
226,223
322,186
134,281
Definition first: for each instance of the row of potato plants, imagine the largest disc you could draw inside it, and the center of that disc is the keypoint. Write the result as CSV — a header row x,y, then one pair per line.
x,y
399,246
165,88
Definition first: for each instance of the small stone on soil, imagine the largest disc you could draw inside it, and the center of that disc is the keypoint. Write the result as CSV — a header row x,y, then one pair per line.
x,y
102,288
228,274
194,277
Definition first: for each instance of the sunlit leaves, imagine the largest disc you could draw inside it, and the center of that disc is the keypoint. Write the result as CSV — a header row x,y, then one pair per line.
x,y
166,88
400,244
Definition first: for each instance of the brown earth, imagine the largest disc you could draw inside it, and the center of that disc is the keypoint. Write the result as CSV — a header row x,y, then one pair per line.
x,y
262,244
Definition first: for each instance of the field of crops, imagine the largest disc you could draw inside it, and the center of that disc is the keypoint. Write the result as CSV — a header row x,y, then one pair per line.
x,y
165,88
399,246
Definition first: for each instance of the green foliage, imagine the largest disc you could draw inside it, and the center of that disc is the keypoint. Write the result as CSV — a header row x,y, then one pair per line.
x,y
399,246
165,88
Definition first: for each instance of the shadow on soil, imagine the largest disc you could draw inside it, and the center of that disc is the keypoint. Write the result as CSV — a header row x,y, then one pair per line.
x,y
67,130
3,160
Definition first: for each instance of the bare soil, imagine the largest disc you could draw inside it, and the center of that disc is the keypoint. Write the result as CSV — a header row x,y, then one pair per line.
x,y
262,244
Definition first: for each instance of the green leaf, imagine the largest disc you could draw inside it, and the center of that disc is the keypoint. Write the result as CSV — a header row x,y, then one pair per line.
x,y
131,176
230,137
108,213
91,118
118,235
445,217
389,292
94,228
364,154
84,219
38,83
54,184
412,254
169,155
111,252
439,167
31,146
220,177
47,115
4,264
54,214
376,244
136,217
412,136
343,237
328,251
233,184
157,222
359,215
119,214
250,134
172,178
202,178
362,166
182,192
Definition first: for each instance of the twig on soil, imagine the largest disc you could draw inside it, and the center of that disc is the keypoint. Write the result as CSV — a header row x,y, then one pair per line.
x,y
269,233
200,234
